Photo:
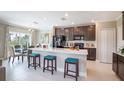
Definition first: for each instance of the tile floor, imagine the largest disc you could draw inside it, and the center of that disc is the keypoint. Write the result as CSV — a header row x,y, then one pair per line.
x,y
19,71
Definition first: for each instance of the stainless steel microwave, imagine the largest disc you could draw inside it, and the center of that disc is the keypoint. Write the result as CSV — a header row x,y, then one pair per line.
x,y
78,37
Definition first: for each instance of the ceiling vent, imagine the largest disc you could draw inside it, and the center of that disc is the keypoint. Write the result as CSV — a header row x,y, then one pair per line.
x,y
63,18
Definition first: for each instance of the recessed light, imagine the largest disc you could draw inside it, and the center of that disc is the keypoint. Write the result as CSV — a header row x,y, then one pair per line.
x,y
66,14
72,23
29,29
56,24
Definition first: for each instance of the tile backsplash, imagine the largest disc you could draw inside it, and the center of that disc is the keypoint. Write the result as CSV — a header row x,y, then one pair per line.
x,y
87,44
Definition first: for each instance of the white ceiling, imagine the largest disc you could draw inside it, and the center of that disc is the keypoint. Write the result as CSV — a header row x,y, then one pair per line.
x,y
26,18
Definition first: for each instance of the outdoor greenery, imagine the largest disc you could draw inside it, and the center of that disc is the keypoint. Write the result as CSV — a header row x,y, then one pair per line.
x,y
19,40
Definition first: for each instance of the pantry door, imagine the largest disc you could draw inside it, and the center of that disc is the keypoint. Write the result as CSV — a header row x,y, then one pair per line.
x,y
107,44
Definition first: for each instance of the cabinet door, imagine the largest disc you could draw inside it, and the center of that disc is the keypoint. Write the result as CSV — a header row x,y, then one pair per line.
x,y
92,54
68,32
121,67
85,32
71,33
59,31
115,63
77,30
91,33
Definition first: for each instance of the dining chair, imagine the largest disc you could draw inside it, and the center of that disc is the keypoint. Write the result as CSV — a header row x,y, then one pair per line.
x,y
13,54
17,48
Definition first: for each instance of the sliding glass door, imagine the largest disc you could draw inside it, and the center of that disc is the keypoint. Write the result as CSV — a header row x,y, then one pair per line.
x,y
17,38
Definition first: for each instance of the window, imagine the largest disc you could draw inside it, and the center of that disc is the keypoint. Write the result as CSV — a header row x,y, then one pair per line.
x,y
44,38
17,38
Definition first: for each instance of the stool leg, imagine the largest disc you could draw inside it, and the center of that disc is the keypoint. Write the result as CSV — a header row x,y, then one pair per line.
x,y
43,65
64,69
28,61
78,68
22,58
55,65
47,64
76,71
34,62
67,67
52,66
39,62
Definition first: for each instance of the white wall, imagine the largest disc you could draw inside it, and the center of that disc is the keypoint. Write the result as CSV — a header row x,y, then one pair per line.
x,y
3,29
18,29
34,37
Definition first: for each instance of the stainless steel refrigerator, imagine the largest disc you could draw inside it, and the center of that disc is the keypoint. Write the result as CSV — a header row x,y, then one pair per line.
x,y
59,41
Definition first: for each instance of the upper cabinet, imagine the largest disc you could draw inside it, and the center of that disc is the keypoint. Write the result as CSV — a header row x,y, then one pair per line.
x,y
78,30
69,32
88,32
59,31
91,33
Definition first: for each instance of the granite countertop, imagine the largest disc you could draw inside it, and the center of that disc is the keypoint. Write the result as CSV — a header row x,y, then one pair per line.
x,y
62,50
119,53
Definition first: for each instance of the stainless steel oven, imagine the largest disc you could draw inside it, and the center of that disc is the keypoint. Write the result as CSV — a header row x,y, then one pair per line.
x,y
79,45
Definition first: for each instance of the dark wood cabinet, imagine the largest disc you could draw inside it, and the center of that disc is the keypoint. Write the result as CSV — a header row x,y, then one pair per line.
x,y
85,32
88,32
68,32
59,31
91,33
121,67
118,65
115,63
78,30
91,54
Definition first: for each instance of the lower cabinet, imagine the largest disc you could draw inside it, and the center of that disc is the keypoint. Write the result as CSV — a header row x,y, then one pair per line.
x,y
91,54
118,65
115,63
121,67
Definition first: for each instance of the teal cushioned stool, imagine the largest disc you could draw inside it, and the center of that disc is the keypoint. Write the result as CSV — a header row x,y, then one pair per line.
x,y
53,66
34,54
75,62
71,60
34,63
50,57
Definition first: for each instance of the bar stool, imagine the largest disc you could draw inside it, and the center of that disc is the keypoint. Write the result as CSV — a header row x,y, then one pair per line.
x,y
75,62
53,66
34,63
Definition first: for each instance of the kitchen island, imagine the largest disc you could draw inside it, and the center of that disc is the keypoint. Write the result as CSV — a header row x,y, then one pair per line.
x,y
62,54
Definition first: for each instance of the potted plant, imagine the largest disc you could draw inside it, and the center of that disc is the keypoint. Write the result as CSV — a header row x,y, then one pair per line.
x,y
122,51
